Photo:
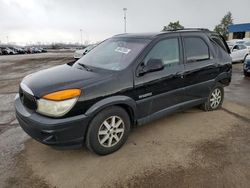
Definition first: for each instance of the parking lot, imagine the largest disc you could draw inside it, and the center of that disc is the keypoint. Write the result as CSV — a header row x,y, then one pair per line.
x,y
187,149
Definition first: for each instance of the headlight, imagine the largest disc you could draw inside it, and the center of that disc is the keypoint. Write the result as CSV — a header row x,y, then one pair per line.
x,y
58,103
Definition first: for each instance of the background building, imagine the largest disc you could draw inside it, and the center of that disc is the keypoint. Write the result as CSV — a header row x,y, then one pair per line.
x,y
239,31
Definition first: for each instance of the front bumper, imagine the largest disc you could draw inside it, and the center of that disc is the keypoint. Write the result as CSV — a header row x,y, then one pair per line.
x,y
246,68
64,132
77,56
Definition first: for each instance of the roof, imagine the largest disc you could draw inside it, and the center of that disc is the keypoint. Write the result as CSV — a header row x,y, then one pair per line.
x,y
139,35
155,34
239,27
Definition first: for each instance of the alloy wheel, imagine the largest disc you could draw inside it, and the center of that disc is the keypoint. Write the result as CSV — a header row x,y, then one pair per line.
x,y
111,131
215,98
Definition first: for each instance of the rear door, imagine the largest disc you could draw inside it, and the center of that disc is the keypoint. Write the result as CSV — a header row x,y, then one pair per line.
x,y
236,53
200,65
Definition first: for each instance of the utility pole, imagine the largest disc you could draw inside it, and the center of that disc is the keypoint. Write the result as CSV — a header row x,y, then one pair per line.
x,y
81,36
125,19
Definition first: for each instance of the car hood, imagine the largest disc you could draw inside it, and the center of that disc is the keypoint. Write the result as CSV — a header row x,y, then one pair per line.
x,y
79,51
60,78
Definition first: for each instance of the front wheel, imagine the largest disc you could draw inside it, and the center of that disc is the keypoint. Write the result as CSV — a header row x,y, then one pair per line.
x,y
214,100
108,130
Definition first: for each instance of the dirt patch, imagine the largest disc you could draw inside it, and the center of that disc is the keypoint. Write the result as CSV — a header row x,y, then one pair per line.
x,y
224,162
23,176
155,154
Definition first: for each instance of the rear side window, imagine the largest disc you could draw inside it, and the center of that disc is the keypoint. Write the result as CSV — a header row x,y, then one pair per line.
x,y
218,40
196,49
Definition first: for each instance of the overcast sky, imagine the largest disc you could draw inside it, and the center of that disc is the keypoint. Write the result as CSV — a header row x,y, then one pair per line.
x,y
30,21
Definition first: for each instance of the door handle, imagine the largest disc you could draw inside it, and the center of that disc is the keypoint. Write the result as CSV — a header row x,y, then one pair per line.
x,y
180,74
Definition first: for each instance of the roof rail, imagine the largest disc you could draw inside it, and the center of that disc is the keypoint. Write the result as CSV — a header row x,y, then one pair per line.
x,y
201,29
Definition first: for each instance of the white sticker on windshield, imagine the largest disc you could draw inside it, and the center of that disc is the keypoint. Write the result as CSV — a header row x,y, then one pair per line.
x,y
122,50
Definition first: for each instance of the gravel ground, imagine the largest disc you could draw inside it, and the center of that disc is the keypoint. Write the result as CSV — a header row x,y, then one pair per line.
x,y
187,149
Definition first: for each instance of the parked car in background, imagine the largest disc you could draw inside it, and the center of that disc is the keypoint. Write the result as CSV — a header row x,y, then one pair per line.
x,y
127,80
233,42
7,51
239,52
246,66
20,50
3,51
247,43
43,50
14,50
79,53
35,50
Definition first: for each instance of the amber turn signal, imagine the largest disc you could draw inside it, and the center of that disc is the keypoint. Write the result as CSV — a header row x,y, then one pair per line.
x,y
63,95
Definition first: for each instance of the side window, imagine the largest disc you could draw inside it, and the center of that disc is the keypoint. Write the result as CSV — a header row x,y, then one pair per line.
x,y
219,41
242,47
196,49
236,47
167,50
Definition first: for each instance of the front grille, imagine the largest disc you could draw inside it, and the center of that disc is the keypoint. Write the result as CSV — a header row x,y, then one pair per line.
x,y
28,100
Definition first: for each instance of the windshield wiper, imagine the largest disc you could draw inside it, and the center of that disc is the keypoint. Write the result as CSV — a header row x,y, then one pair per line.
x,y
85,66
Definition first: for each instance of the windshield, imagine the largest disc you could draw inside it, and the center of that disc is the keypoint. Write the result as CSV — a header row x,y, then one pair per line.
x,y
247,43
113,54
240,42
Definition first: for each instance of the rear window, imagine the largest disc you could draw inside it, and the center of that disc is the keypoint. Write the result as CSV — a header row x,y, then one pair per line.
x,y
196,49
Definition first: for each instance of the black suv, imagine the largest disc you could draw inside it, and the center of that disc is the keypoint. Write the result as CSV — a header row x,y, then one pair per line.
x,y
129,79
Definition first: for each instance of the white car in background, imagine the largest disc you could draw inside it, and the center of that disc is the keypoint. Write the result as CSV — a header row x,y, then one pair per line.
x,y
233,42
79,53
239,52
247,43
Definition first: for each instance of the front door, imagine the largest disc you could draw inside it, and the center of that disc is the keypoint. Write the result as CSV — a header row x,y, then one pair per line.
x,y
164,88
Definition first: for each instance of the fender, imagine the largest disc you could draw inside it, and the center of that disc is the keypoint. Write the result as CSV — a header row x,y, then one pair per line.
x,y
119,99
224,78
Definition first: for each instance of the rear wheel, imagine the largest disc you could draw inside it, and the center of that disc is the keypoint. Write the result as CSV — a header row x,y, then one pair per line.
x,y
108,130
215,99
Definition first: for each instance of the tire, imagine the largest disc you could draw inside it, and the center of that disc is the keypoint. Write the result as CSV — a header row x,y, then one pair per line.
x,y
103,137
215,99
244,58
246,74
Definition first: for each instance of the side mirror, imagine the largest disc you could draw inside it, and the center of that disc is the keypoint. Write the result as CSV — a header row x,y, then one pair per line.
x,y
152,66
